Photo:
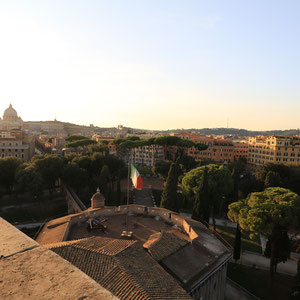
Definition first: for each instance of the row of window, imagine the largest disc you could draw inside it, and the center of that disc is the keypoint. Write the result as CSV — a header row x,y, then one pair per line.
x,y
266,147
10,144
277,154
286,148
277,159
262,152
10,150
286,154
288,159
10,155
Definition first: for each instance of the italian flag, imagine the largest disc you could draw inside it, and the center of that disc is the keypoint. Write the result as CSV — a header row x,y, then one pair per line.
x,y
136,178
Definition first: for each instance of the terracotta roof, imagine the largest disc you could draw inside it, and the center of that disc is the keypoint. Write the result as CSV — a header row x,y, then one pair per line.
x,y
121,266
161,245
102,245
157,283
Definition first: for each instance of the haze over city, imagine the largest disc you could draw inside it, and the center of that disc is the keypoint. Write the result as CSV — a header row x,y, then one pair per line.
x,y
152,64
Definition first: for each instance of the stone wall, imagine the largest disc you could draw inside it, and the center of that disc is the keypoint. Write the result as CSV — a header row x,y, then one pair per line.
x,y
212,287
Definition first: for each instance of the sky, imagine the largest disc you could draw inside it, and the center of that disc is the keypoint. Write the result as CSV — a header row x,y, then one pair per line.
x,y
159,64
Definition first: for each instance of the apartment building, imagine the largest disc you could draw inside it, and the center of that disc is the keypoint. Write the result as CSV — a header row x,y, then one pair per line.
x,y
147,155
274,149
15,143
219,149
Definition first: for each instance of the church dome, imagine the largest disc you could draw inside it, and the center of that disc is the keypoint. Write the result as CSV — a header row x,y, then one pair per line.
x,y
9,113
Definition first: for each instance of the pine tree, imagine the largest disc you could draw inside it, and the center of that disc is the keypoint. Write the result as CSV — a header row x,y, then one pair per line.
x,y
237,244
272,179
236,179
278,248
201,209
119,194
169,195
104,183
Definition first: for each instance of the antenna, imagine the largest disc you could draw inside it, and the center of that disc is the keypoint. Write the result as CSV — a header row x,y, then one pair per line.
x,y
227,122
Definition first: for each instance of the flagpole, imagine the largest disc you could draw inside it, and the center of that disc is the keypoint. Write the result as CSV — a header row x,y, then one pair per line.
x,y
128,179
128,193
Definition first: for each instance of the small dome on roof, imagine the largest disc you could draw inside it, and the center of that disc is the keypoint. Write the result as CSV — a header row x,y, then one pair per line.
x,y
98,199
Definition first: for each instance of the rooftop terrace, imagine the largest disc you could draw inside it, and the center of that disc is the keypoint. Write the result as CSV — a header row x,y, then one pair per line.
x,y
142,226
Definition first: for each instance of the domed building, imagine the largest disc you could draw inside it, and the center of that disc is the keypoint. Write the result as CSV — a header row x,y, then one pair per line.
x,y
11,120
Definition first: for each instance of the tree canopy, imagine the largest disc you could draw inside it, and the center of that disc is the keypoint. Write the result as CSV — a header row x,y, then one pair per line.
x,y
201,203
81,143
8,167
161,169
169,195
73,138
133,142
219,179
220,185
262,211
274,174
50,167
272,213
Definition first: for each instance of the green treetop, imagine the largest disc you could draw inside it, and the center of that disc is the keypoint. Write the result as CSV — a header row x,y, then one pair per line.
x,y
272,213
219,185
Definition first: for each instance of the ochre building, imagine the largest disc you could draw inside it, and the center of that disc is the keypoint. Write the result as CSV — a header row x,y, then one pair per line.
x,y
15,143
219,149
274,149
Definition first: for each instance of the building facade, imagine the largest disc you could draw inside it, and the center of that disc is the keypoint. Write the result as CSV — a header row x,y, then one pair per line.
x,y
15,143
219,150
147,155
274,149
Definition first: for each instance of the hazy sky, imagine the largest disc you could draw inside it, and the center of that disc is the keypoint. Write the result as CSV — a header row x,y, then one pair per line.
x,y
153,64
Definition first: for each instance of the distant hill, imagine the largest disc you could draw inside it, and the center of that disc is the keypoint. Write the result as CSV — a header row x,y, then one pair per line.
x,y
238,132
206,131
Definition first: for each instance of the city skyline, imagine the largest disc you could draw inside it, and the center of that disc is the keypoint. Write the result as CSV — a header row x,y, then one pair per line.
x,y
152,65
149,129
